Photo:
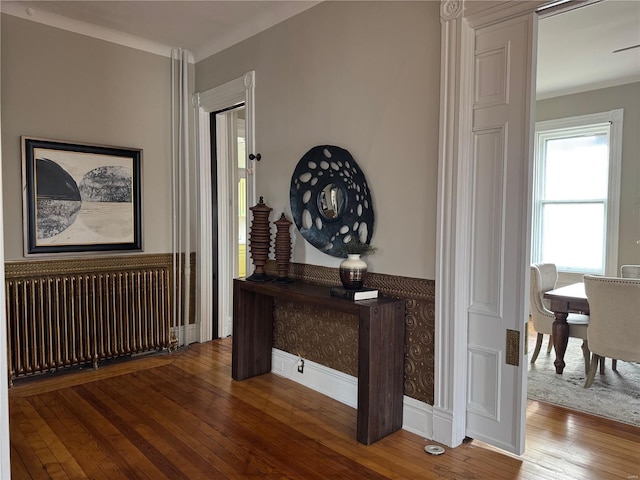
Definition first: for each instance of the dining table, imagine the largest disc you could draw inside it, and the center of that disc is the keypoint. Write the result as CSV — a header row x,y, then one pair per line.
x,y
563,301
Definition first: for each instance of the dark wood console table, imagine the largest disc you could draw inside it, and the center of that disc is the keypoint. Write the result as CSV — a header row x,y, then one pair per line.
x,y
380,346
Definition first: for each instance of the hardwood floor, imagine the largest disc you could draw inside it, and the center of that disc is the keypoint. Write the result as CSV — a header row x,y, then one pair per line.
x,y
181,416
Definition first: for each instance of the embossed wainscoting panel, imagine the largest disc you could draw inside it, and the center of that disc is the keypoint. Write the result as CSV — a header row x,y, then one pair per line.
x,y
97,263
419,350
323,336
329,338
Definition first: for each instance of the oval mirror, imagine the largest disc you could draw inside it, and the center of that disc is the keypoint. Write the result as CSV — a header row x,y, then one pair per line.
x,y
331,201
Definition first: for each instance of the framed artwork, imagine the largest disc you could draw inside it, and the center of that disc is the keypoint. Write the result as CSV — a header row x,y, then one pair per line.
x,y
80,198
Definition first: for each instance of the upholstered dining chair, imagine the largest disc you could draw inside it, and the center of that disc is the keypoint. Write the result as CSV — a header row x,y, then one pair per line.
x,y
543,279
630,271
614,325
626,271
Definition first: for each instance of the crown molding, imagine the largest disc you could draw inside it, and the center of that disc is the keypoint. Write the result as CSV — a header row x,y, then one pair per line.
x,y
85,28
248,30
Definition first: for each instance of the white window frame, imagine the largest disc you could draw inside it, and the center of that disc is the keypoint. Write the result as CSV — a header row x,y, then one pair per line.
x,y
612,202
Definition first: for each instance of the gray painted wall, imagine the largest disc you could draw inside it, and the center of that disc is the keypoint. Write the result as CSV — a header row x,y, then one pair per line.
x,y
64,86
626,97
363,76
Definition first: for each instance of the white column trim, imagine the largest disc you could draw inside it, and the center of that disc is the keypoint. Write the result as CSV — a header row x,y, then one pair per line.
x,y
204,279
450,321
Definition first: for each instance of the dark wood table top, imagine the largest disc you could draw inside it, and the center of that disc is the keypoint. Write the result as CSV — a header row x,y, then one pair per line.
x,y
571,298
574,291
312,294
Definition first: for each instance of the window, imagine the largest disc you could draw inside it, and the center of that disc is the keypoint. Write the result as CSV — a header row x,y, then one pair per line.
x,y
576,193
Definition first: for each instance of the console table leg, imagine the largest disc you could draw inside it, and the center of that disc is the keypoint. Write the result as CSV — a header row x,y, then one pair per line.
x,y
380,372
252,337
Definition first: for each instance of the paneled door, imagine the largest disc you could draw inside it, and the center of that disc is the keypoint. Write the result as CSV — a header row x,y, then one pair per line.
x,y
499,175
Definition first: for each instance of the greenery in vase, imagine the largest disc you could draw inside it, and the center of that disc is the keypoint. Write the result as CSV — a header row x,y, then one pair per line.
x,y
355,246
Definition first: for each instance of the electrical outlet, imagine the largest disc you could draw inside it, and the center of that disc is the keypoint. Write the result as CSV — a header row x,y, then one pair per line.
x,y
300,365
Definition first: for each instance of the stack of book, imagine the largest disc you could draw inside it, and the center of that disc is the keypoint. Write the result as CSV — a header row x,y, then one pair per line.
x,y
359,294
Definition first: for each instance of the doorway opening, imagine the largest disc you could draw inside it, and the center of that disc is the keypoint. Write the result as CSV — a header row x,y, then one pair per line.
x,y
231,186
579,108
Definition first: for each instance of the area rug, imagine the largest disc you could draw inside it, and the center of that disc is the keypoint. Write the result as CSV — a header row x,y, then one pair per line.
x,y
614,395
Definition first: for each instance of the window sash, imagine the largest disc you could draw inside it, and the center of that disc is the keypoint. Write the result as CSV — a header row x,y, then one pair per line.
x,y
571,239
611,124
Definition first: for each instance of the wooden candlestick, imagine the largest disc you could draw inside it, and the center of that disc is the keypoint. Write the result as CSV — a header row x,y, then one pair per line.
x,y
259,240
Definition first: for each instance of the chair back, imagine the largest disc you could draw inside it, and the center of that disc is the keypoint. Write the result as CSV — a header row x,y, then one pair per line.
x,y
543,279
614,325
630,271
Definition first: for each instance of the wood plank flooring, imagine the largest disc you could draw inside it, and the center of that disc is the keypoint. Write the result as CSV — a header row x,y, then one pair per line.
x,y
181,416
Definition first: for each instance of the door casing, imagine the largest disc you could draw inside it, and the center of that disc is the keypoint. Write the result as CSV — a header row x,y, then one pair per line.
x,y
235,92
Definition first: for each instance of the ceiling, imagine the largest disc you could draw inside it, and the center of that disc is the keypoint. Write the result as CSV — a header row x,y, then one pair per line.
x,y
574,50
203,27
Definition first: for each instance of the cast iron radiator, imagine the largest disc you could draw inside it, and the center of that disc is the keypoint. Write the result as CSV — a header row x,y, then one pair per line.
x,y
58,321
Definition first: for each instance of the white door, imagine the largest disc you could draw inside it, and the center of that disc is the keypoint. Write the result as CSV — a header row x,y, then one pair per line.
x,y
499,178
236,188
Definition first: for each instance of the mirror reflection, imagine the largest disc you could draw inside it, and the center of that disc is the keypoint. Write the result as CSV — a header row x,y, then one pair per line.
x,y
331,201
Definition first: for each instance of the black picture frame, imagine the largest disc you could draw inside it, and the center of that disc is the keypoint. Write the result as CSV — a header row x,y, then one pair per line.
x,y
80,198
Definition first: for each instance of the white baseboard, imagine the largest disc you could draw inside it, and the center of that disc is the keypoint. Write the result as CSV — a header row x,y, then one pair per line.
x,y
329,382
188,335
417,416
443,427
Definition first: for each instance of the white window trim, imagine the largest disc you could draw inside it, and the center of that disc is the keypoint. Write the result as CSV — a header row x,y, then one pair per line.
x,y
614,118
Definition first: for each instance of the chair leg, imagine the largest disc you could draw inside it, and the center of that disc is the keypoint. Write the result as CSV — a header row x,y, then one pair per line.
x,y
585,354
595,359
614,364
536,351
550,344
602,359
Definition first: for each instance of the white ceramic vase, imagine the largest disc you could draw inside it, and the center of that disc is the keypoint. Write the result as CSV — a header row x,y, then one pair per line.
x,y
352,271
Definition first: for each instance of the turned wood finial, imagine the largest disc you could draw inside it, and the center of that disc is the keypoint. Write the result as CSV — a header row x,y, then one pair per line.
x,y
259,240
